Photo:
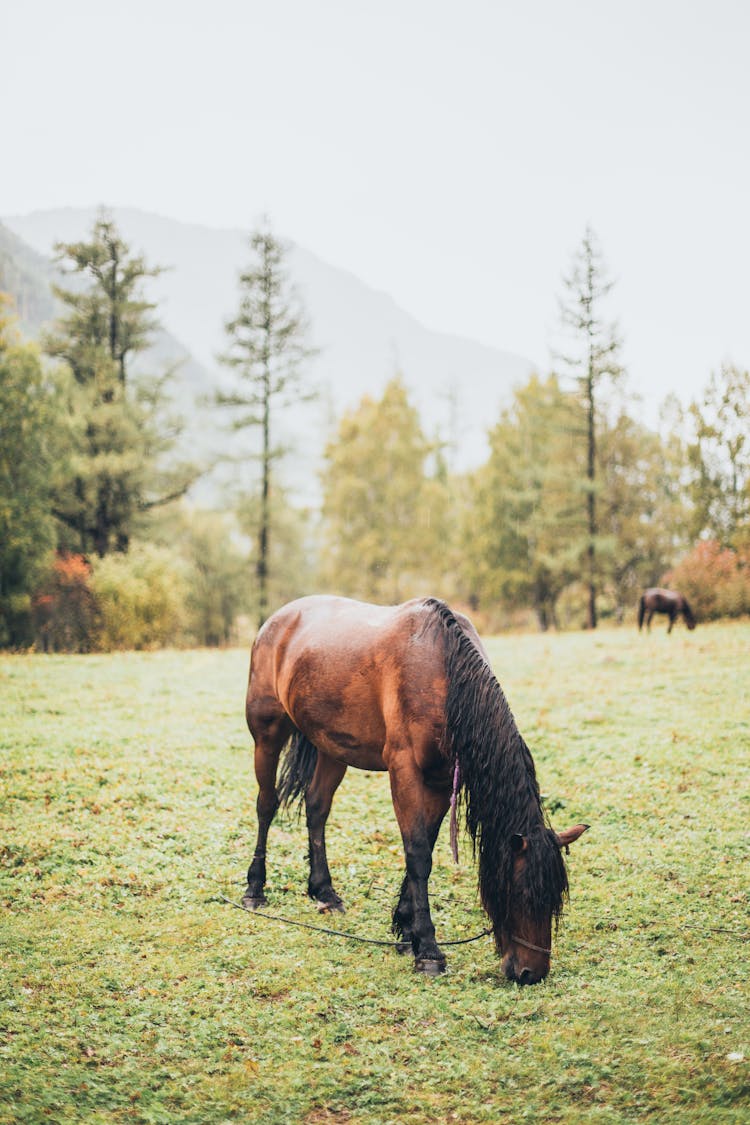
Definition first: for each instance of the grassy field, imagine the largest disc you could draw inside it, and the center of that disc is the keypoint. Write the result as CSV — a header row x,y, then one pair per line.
x,y
132,993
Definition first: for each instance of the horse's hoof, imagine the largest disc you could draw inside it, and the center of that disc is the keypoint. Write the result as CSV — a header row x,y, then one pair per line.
x,y
254,902
336,907
429,966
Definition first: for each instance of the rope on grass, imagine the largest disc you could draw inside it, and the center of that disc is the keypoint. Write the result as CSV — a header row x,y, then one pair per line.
x,y
339,933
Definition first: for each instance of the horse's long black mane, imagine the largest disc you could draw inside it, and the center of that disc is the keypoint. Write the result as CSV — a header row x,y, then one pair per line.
x,y
498,784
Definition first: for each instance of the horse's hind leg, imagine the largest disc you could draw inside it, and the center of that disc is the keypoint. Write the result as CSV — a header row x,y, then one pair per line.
x,y
318,798
671,621
270,735
401,924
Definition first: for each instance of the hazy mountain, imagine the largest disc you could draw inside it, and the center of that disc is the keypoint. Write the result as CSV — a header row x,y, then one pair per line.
x,y
28,275
363,336
25,274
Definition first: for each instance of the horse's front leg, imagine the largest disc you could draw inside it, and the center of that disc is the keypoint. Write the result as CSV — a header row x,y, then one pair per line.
x,y
318,798
671,621
403,914
419,812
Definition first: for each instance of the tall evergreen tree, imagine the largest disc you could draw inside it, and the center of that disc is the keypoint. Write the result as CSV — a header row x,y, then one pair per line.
x,y
122,437
108,318
591,358
267,353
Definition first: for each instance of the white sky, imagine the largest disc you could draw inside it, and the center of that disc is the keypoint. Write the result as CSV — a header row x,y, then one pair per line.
x,y
450,153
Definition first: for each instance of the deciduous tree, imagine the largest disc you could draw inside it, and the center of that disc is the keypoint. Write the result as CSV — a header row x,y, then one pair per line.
x,y
525,522
382,514
720,456
31,446
639,525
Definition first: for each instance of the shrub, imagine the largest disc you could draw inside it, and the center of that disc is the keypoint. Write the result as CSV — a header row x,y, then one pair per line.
x,y
141,598
216,575
64,610
714,579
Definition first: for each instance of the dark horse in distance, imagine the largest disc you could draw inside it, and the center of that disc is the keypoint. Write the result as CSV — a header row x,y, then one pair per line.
x,y
670,602
408,689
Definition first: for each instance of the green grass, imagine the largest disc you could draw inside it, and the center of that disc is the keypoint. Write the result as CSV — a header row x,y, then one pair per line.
x,y
131,993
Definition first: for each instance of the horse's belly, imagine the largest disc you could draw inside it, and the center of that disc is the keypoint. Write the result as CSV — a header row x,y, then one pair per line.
x,y
355,739
338,710
345,747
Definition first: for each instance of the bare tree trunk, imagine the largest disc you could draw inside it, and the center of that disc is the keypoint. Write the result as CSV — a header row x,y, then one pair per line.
x,y
591,501
262,565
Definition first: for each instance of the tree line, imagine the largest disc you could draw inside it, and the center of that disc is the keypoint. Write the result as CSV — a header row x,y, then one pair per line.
x,y
576,508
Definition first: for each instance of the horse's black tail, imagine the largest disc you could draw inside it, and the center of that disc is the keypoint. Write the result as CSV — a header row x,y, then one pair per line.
x,y
297,768
641,611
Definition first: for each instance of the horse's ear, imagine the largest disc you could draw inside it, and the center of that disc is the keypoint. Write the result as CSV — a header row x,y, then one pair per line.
x,y
518,843
570,835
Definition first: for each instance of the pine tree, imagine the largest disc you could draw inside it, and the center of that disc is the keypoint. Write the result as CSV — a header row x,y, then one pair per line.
x,y
591,359
122,438
267,353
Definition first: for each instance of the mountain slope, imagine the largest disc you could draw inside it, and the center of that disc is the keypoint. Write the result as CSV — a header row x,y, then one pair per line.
x,y
25,276
364,337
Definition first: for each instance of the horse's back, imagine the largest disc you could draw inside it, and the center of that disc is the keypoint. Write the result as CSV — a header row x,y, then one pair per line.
x,y
656,597
320,628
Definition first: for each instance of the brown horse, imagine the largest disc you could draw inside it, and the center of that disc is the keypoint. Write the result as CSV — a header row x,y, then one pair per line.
x,y
656,600
408,689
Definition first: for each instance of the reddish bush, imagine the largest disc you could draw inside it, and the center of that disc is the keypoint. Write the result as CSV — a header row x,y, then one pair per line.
x,y
64,610
714,579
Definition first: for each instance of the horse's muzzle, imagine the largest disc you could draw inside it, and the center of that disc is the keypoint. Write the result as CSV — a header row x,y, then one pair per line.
x,y
524,973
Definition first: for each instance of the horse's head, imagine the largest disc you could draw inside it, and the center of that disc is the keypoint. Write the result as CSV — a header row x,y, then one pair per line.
x,y
539,886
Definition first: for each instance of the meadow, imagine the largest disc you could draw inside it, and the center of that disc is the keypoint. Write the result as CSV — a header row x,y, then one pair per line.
x,y
131,992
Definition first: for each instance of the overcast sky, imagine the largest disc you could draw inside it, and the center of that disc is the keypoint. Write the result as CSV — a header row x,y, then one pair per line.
x,y
449,153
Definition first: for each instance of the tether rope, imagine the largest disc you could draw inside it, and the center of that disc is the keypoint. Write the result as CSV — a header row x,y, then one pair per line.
x,y
339,933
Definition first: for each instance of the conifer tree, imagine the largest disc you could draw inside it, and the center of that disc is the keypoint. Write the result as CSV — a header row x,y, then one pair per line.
x,y
120,432
590,358
267,352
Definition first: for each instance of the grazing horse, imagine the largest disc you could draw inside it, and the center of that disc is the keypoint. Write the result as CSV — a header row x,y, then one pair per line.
x,y
408,689
670,602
